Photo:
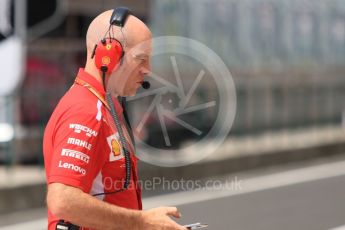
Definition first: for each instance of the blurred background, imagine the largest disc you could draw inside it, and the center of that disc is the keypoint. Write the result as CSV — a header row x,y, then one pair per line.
x,y
287,60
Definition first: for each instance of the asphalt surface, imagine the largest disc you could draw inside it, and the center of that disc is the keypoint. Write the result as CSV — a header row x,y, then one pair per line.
x,y
306,197
312,205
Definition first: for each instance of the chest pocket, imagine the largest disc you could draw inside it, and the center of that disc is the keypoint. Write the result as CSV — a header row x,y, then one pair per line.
x,y
114,174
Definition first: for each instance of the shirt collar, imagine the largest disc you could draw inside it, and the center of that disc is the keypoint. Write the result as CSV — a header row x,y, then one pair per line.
x,y
96,85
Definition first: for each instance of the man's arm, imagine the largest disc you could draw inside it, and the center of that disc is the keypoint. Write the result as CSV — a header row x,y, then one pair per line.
x,y
72,204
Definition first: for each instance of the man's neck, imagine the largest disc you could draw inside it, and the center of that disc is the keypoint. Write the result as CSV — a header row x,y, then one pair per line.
x,y
93,71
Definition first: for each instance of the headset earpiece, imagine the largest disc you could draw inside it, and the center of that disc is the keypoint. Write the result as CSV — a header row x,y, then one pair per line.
x,y
108,53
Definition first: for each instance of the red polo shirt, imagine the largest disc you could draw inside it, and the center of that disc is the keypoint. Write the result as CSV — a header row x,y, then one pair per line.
x,y
82,147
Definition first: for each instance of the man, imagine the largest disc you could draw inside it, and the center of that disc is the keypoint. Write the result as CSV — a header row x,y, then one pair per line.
x,y
83,153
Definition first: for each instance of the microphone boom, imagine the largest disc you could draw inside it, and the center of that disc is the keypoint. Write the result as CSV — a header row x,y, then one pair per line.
x,y
145,85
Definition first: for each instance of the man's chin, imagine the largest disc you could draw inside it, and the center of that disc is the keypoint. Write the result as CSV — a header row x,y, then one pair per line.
x,y
127,93
131,94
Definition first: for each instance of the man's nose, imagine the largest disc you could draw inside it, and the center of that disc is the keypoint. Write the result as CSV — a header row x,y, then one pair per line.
x,y
145,70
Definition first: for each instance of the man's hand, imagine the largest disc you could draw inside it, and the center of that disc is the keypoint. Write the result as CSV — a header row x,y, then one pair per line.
x,y
159,219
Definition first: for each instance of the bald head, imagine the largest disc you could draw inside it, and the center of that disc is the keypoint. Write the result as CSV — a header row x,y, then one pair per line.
x,y
133,32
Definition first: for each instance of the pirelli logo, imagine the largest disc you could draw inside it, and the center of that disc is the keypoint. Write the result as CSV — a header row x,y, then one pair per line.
x,y
75,154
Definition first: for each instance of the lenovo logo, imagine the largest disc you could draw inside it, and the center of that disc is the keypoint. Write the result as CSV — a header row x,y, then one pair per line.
x,y
73,167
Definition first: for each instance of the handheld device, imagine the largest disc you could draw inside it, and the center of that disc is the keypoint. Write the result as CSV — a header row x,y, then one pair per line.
x,y
196,226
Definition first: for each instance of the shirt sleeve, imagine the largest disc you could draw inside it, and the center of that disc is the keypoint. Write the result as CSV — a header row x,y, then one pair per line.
x,y
75,160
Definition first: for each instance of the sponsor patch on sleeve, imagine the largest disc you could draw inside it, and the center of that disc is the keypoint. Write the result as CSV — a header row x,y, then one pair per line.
x,y
78,128
78,142
75,154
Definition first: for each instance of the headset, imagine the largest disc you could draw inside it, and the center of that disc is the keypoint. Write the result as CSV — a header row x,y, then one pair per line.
x,y
108,54
109,51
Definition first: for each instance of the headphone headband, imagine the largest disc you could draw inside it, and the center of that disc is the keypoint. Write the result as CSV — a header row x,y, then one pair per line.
x,y
119,16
